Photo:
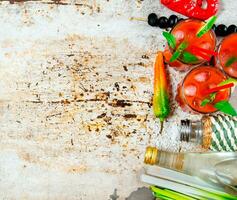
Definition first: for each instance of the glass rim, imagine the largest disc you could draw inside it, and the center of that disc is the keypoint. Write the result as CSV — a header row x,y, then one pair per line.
x,y
198,20
182,88
218,53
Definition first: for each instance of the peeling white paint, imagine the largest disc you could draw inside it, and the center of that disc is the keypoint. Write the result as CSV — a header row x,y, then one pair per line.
x,y
58,100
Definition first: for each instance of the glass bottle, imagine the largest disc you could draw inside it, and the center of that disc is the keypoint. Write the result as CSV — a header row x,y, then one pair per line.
x,y
217,133
195,164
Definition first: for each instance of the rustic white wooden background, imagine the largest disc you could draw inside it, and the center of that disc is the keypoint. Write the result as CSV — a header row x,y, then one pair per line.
x,y
75,97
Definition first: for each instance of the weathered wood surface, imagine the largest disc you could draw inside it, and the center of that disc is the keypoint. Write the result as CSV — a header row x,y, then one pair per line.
x,y
75,97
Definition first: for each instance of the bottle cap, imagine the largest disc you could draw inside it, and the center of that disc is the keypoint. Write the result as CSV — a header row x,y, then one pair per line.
x,y
151,155
185,130
191,131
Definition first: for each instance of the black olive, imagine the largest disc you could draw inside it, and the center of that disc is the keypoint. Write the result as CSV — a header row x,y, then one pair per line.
x,y
231,29
221,30
180,19
152,19
172,21
214,27
163,22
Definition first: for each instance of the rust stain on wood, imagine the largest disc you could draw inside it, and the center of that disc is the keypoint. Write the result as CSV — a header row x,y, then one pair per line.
x,y
75,102
77,169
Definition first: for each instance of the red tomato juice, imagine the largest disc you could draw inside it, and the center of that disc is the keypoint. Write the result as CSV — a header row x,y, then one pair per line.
x,y
191,92
187,30
228,50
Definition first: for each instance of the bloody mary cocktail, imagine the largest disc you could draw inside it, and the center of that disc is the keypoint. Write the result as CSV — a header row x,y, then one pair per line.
x,y
191,92
187,30
228,51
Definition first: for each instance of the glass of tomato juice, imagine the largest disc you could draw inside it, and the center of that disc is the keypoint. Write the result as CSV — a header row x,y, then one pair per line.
x,y
227,51
191,92
186,30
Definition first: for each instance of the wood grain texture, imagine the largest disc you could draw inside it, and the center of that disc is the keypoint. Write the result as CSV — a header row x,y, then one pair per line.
x,y
76,81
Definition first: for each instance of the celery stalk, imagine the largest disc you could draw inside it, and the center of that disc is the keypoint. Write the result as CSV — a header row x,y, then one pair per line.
x,y
168,193
187,190
207,27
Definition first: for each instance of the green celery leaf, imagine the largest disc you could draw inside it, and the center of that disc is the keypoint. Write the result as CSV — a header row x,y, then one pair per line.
x,y
226,107
179,51
189,58
205,102
161,192
175,56
161,197
207,27
227,81
170,39
231,61
209,100
212,96
183,196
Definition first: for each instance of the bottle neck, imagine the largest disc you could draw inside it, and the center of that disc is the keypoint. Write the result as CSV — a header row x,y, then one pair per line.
x,y
164,159
191,131
171,160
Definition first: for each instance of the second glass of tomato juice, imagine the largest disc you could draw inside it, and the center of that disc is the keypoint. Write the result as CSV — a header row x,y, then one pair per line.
x,y
227,55
191,92
186,31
